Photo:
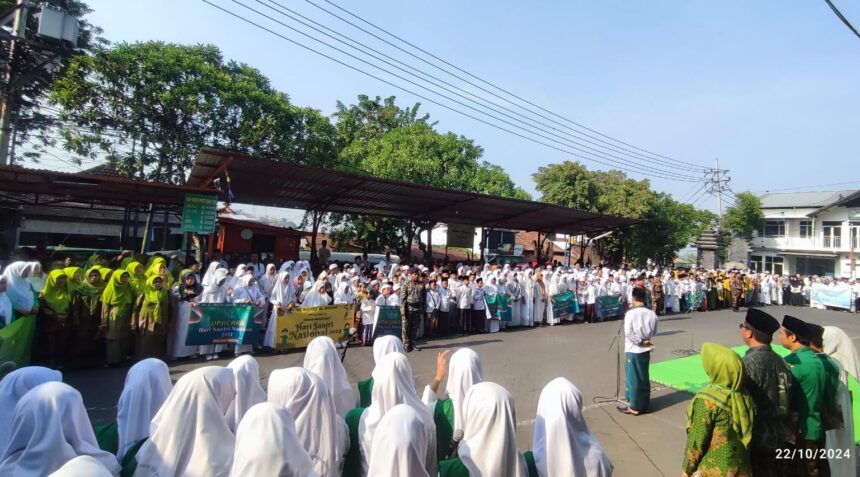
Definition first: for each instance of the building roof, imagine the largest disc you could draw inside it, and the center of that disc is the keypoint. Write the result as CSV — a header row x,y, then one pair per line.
x,y
289,185
802,200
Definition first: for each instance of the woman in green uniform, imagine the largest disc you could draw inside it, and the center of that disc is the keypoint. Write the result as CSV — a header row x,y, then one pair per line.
x,y
150,320
117,304
136,277
720,418
464,371
381,346
53,321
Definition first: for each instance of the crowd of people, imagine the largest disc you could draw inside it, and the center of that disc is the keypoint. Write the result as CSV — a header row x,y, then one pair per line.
x,y
219,421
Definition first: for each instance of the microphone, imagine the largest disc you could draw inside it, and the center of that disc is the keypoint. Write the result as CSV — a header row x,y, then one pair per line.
x,y
352,332
455,443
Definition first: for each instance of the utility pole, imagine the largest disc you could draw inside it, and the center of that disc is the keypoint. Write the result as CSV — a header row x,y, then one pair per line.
x,y
718,182
19,29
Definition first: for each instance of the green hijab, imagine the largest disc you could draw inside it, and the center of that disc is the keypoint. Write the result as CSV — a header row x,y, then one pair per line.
x,y
158,297
154,269
116,293
73,284
92,292
136,277
56,296
725,369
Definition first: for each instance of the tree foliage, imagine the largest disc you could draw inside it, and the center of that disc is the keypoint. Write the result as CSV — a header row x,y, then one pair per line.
x,y
745,216
669,225
149,107
37,65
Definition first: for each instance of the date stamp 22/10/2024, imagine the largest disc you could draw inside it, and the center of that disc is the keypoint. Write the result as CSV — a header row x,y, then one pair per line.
x,y
810,454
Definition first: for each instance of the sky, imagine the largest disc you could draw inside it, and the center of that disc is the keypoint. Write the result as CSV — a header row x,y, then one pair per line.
x,y
771,88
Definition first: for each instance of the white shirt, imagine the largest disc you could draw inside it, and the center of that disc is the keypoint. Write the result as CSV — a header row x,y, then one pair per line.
x,y
478,302
447,298
640,324
464,298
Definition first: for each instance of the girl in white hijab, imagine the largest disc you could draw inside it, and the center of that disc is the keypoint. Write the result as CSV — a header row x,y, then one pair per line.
x,y
841,348
13,387
489,446
321,357
400,445
6,313
562,443
83,465
381,346
18,288
49,428
464,371
147,385
247,293
37,277
343,295
214,292
266,445
283,295
393,385
233,282
210,273
246,373
316,295
267,281
321,432
190,435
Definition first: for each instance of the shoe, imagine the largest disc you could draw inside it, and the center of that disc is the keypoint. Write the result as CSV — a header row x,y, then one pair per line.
x,y
408,350
627,410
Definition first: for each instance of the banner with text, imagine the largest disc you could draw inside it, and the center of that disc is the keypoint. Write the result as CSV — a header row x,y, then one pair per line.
x,y
837,297
563,305
498,308
608,306
387,321
298,327
213,323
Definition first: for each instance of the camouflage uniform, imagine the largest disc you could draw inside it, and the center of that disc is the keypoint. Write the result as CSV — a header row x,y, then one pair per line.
x,y
411,307
657,295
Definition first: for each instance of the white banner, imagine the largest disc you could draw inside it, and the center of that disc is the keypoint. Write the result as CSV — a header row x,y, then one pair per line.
x,y
836,297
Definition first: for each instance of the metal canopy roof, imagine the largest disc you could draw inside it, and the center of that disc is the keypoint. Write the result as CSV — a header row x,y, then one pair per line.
x,y
62,186
288,185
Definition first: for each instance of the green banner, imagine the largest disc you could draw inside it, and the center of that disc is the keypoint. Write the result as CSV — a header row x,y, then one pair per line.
x,y
199,213
212,323
608,306
563,305
16,341
388,321
498,307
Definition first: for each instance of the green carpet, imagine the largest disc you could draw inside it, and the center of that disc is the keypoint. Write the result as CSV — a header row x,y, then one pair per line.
x,y
686,374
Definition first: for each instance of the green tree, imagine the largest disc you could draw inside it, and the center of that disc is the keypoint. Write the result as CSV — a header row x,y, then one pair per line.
x,y
745,216
149,107
670,226
37,65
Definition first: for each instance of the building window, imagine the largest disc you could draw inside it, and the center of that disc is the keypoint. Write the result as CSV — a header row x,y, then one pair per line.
x,y
773,265
832,232
774,228
755,263
805,228
854,233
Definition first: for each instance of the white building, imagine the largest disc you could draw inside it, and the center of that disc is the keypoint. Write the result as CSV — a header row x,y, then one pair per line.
x,y
810,233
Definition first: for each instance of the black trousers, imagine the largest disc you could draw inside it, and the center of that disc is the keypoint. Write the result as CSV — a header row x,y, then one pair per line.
x,y
442,324
466,320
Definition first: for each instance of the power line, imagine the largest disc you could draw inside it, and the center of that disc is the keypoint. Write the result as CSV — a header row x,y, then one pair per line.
x,y
842,17
665,174
407,90
694,194
812,186
470,95
570,121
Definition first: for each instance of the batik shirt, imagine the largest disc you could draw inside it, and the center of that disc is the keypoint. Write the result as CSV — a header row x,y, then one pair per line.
x,y
770,383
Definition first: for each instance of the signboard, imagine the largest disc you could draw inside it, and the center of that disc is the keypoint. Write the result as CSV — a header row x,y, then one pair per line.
x,y
215,323
563,304
462,236
518,250
836,297
498,308
608,306
387,322
300,326
199,213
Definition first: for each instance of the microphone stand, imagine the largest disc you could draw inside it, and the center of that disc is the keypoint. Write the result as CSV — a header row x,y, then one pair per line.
x,y
617,342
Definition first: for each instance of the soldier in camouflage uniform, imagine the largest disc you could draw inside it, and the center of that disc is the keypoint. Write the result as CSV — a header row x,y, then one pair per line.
x,y
657,294
411,307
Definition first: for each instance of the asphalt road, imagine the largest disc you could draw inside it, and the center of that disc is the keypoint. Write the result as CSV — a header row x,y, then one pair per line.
x,y
524,360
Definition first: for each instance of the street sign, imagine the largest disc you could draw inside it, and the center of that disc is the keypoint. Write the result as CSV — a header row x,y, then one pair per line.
x,y
199,213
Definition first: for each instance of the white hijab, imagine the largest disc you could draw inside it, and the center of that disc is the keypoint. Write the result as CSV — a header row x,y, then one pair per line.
x,y
13,387
267,281
392,385
49,428
147,385
38,283
839,345
321,432
246,372
189,435
83,465
315,297
464,371
344,295
210,273
283,290
489,445
400,445
321,357
216,290
384,345
562,443
266,445
18,288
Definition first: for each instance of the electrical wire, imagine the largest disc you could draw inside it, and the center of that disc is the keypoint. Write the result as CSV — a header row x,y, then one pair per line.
x,y
812,186
468,95
570,121
842,18
690,197
676,177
